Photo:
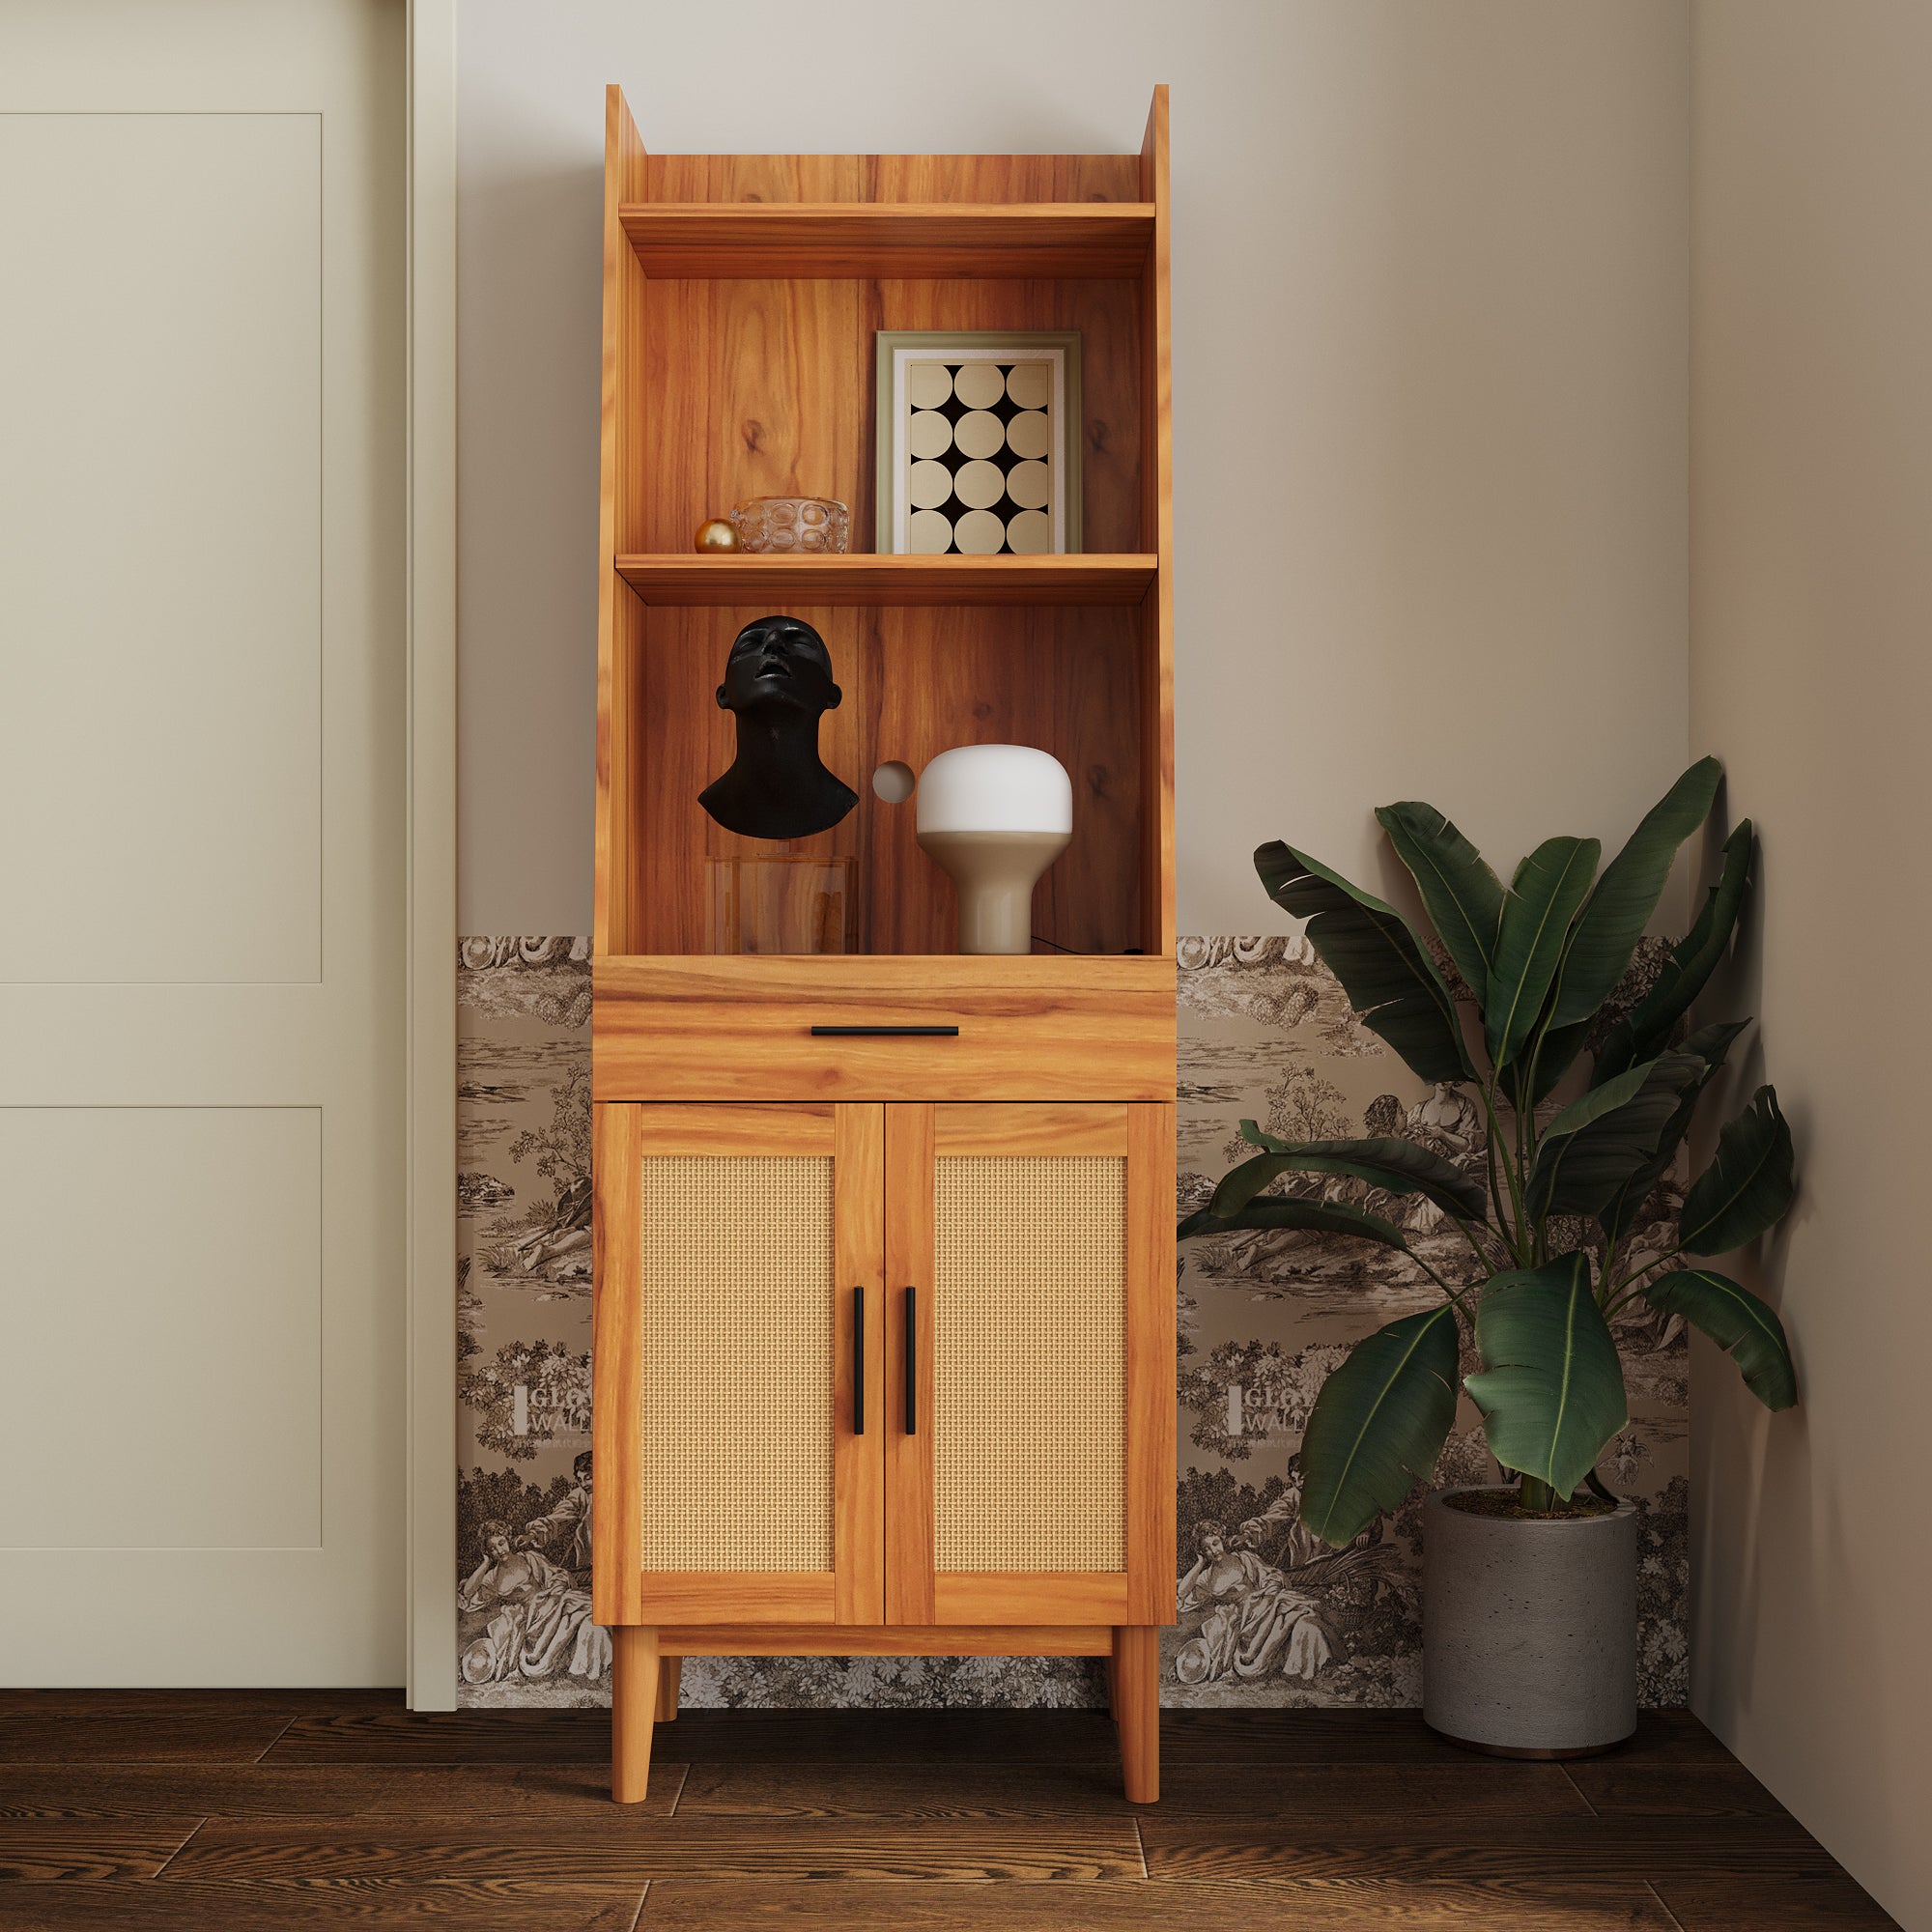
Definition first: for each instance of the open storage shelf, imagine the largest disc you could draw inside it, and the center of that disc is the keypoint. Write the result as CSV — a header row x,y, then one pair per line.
x,y
896,241
688,578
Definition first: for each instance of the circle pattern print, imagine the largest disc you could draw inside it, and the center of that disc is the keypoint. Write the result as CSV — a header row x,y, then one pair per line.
x,y
979,477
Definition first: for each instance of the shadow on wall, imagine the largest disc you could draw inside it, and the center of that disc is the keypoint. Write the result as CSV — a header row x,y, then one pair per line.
x,y
1268,1615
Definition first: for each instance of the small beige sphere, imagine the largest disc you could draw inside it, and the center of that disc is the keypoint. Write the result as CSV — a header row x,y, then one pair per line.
x,y
715,535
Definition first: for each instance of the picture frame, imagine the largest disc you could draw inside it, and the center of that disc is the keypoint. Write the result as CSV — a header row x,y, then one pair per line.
x,y
941,490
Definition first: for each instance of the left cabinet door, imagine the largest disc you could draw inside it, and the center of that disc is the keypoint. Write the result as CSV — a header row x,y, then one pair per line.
x,y
739,1364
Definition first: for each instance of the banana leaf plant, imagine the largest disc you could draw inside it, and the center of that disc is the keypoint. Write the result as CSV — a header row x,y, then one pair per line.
x,y
1553,1212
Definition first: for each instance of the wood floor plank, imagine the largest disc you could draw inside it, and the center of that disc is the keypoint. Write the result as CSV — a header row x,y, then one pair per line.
x,y
327,1790
1493,1851
100,1847
682,1904
579,1850
1745,1904
290,1703
897,1737
157,1736
445,1737
1318,1737
1614,1788
479,1906
962,1790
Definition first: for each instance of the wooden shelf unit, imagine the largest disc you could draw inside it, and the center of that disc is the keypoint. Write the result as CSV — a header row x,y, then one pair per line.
x,y
1003,1195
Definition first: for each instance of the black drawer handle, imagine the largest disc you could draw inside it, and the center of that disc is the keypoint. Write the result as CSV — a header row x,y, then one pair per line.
x,y
885,1031
912,1361
858,1361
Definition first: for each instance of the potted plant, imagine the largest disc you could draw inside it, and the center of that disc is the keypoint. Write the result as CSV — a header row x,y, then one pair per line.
x,y
1530,1587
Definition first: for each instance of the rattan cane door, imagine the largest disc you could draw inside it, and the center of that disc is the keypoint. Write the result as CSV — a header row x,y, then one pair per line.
x,y
1028,1458
739,1363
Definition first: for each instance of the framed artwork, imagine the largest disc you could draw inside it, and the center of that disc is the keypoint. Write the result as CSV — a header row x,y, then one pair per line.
x,y
979,441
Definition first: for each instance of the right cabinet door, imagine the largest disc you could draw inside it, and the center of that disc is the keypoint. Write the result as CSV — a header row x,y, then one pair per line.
x,y
1030,1349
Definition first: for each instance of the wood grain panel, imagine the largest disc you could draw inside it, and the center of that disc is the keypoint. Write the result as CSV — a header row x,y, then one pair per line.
x,y
1157,522
776,582
1336,1796
857,240
915,681
892,1641
891,177
1520,1851
400,1737
720,1596
481,1790
730,1029
86,1737
1057,1129
617,1370
465,1905
1030,1596
765,388
619,1843
1150,1368
787,1127
1731,1903
859,1459
100,1847
910,1596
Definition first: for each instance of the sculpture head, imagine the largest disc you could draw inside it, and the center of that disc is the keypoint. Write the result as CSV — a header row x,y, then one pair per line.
x,y
778,664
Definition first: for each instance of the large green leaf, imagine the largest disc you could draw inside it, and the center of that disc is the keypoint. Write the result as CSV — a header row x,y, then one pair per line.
x,y
1550,1387
1390,979
1605,938
1710,1044
1747,1185
1275,1211
1597,1142
1734,1319
1397,1165
1378,1424
1692,960
1464,897
1542,899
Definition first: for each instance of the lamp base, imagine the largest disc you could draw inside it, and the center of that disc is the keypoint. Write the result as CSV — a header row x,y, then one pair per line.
x,y
995,873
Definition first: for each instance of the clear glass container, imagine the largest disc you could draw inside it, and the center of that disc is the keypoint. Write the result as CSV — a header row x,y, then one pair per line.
x,y
813,525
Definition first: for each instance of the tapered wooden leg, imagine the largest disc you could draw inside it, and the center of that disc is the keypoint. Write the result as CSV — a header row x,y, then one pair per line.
x,y
669,1669
633,1700
1113,1698
1136,1676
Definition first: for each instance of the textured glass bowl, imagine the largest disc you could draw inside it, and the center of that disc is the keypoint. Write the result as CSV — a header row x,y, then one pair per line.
x,y
818,526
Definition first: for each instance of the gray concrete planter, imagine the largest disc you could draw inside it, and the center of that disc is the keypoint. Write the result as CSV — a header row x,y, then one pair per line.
x,y
1529,1629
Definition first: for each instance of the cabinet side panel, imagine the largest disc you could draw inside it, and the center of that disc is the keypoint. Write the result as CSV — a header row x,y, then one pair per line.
x,y
617,1362
909,1143
1150,1364
1156,532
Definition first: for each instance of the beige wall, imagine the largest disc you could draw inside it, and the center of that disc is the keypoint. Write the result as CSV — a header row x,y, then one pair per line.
x,y
1430,386
1810,674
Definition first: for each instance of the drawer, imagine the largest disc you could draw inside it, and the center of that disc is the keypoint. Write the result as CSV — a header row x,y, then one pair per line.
x,y
741,1028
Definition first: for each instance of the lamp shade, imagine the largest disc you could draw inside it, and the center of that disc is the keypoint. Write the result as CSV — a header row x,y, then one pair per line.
x,y
995,788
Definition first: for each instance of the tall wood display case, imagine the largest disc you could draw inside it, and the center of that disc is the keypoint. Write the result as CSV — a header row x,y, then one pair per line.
x,y
885,1321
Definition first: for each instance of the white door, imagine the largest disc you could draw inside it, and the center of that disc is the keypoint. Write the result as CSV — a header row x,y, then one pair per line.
x,y
202,731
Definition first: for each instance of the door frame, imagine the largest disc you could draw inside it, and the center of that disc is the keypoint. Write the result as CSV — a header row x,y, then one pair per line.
x,y
430,966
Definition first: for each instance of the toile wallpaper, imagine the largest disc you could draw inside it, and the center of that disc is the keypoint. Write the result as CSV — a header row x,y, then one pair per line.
x,y
1268,1615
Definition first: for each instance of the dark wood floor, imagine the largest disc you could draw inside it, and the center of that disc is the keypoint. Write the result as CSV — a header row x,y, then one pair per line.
x,y
278,1808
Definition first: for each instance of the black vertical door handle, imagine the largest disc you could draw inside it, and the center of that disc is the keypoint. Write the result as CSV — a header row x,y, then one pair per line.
x,y
858,1361
912,1361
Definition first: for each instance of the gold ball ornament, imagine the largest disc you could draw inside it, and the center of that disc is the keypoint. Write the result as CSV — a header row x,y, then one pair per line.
x,y
715,535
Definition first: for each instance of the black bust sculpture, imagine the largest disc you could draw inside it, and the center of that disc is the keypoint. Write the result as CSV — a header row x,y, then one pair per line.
x,y
778,681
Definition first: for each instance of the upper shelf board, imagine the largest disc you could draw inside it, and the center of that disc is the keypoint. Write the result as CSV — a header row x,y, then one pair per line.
x,y
890,240
692,578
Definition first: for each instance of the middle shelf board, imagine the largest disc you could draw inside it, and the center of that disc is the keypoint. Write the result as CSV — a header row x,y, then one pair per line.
x,y
728,579
890,241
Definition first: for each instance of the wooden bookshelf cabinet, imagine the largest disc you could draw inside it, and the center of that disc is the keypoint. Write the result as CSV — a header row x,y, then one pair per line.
x,y
884,1324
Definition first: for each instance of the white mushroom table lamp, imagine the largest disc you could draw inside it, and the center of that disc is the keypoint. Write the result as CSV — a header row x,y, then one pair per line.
x,y
995,817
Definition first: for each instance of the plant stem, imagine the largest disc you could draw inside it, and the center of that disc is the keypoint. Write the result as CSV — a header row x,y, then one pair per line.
x,y
1516,1234
1537,1494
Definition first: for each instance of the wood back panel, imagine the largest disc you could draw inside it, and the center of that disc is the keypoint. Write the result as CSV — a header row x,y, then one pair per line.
x,y
956,177
766,388
916,681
